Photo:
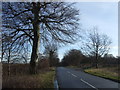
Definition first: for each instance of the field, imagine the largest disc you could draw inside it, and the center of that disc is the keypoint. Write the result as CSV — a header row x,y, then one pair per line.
x,y
20,78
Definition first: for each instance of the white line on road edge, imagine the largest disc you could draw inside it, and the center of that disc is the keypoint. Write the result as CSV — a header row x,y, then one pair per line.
x,y
56,85
88,84
83,81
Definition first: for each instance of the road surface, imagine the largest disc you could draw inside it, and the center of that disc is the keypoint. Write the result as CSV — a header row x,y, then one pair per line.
x,y
71,78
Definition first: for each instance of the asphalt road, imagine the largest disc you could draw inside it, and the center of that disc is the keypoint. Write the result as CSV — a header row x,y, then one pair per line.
x,y
71,78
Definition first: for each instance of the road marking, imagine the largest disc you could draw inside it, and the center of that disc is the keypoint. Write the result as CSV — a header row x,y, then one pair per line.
x,y
74,75
56,85
68,71
88,84
83,81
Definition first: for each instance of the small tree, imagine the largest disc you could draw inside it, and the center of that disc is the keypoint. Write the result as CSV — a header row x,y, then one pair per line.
x,y
96,45
51,51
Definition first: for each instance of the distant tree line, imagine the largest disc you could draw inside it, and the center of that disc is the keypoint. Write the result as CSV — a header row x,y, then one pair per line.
x,y
75,57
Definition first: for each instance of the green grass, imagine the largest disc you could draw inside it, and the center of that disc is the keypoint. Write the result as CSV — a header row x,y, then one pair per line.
x,y
72,66
41,80
48,79
110,73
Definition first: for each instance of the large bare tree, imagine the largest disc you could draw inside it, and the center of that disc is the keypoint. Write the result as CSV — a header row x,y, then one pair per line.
x,y
96,44
40,22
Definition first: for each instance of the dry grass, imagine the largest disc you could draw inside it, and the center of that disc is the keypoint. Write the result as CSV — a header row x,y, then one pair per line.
x,y
44,80
107,72
22,79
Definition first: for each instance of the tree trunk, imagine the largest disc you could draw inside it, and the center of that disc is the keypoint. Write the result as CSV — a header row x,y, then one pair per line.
x,y
96,56
2,57
34,55
96,61
2,51
9,63
51,61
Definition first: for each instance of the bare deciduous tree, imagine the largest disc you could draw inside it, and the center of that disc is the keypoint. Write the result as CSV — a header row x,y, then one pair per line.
x,y
40,21
51,51
96,44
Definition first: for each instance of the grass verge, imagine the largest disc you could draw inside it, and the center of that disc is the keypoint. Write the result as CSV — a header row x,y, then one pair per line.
x,y
108,73
41,80
72,66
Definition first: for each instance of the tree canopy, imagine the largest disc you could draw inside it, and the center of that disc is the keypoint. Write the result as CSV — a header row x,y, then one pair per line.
x,y
34,23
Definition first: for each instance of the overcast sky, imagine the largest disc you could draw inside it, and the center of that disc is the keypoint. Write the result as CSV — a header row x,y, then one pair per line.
x,y
104,15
